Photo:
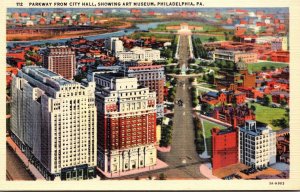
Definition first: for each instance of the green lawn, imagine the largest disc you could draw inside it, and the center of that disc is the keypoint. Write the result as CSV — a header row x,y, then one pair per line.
x,y
204,38
138,35
208,125
267,114
257,66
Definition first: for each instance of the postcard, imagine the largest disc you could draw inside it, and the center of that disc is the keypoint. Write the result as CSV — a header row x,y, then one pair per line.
x,y
150,95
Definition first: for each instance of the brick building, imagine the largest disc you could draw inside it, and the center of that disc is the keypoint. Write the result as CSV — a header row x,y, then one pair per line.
x,y
236,116
126,124
60,60
237,77
213,98
224,147
151,76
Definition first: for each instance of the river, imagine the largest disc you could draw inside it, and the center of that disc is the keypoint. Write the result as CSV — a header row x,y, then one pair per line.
x,y
141,26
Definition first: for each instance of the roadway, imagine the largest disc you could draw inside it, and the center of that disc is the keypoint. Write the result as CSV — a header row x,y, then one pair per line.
x,y
183,149
15,169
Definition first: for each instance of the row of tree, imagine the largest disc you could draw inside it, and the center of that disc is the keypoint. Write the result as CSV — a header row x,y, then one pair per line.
x,y
194,97
199,139
199,50
166,136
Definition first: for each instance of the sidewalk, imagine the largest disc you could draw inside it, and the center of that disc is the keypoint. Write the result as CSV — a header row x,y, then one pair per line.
x,y
215,120
164,149
22,156
159,165
205,169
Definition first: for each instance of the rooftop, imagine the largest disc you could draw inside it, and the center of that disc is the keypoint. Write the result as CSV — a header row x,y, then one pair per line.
x,y
35,71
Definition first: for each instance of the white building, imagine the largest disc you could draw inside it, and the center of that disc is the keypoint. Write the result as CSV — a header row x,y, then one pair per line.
x,y
126,124
139,54
54,121
114,44
257,145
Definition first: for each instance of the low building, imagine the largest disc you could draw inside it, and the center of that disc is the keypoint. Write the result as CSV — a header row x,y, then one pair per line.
x,y
232,79
139,54
236,116
213,98
257,144
234,56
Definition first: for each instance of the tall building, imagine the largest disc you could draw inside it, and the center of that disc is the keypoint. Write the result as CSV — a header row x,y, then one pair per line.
x,y
139,54
224,147
151,76
60,60
126,124
54,121
257,145
114,44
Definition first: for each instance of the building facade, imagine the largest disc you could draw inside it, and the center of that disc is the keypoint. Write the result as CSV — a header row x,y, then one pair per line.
x,y
139,54
151,76
61,60
54,121
257,145
235,56
224,147
236,116
126,124
114,44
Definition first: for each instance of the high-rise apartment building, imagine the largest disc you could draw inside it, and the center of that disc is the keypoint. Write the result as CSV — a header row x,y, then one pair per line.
x,y
60,60
54,121
257,145
126,124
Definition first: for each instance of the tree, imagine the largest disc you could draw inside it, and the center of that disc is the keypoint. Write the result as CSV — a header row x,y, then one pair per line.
x,y
283,102
230,64
266,100
212,39
206,108
272,68
195,102
253,108
223,63
166,53
162,176
211,78
191,79
264,68
191,60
